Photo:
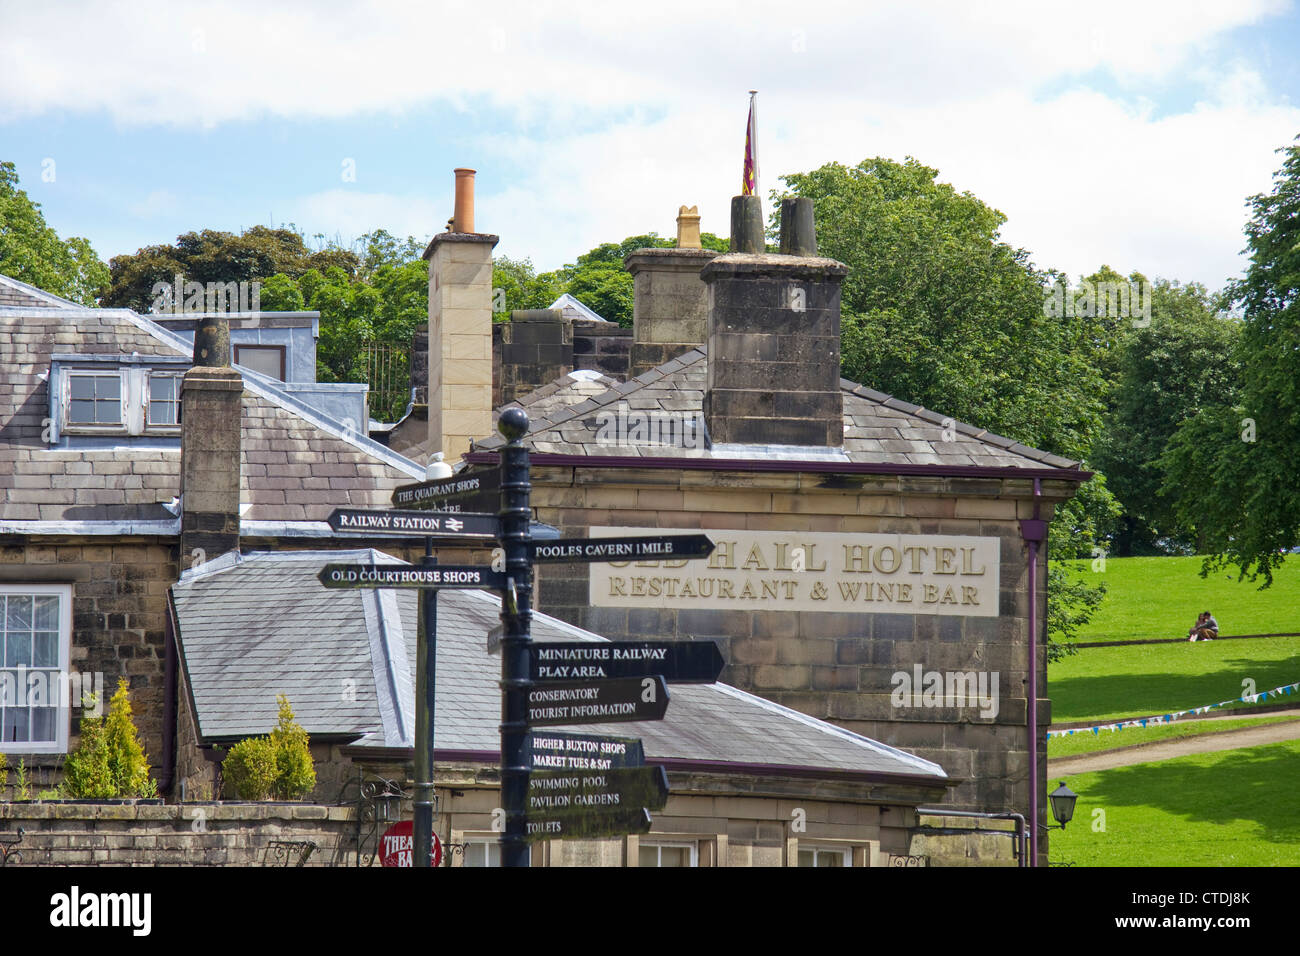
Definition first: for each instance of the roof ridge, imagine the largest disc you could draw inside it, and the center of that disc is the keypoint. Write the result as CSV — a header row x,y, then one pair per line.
x,y
262,386
32,290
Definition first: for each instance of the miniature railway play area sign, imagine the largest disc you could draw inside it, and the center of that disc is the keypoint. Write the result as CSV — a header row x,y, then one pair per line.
x,y
677,662
554,784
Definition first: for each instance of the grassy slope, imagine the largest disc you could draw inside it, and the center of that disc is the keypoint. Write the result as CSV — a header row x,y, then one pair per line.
x,y
1235,808
1106,683
1060,747
1160,598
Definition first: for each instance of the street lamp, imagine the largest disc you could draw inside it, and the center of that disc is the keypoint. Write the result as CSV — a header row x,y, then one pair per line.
x,y
1062,799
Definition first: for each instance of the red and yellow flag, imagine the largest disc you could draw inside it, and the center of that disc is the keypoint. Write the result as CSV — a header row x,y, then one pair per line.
x,y
749,186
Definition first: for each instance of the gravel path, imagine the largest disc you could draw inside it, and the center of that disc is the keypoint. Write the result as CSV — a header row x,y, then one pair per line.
x,y
1168,749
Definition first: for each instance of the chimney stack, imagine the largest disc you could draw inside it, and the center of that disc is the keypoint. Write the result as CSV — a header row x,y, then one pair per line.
x,y
460,329
774,337
669,301
211,430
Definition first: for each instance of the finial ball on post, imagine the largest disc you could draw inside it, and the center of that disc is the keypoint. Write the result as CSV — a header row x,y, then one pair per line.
x,y
513,423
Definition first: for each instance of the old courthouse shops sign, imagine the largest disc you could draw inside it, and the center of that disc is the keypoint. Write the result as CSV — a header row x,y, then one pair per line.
x,y
812,571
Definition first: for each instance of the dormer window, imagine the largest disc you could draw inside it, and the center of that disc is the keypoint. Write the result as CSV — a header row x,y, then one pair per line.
x,y
111,395
95,399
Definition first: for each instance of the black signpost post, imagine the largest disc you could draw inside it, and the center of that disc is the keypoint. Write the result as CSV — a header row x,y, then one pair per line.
x,y
553,784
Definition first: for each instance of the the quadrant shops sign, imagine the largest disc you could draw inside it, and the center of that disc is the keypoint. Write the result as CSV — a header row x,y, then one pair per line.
x,y
811,571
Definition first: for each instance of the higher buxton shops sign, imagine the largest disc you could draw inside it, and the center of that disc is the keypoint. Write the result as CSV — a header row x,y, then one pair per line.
x,y
811,571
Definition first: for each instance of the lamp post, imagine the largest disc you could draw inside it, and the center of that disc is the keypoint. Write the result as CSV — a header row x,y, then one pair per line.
x,y
1062,800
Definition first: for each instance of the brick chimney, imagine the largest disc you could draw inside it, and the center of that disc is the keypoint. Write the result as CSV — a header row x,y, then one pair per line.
x,y
460,328
774,337
211,423
670,302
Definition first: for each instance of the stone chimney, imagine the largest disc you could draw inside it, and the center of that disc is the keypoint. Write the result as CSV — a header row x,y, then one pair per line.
x,y
670,303
536,348
774,336
211,427
460,328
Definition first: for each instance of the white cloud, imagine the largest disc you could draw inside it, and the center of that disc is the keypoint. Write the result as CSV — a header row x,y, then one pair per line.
x,y
626,111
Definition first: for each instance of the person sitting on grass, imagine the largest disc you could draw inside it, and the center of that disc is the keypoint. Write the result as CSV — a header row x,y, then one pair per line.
x,y
1206,629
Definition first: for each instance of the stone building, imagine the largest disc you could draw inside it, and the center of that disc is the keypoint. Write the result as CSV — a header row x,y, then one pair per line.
x,y
119,468
752,783
873,563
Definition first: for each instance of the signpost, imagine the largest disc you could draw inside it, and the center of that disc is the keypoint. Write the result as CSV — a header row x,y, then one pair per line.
x,y
635,548
558,751
405,576
465,492
677,662
597,702
434,524
553,784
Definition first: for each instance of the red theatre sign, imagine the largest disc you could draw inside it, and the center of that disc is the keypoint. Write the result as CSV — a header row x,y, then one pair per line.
x,y
397,845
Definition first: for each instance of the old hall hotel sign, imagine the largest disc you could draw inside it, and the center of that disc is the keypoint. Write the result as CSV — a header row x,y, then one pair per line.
x,y
811,571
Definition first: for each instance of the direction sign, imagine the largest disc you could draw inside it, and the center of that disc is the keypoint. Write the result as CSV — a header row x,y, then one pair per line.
x,y
435,524
597,702
629,548
563,792
541,826
411,576
556,751
679,662
463,492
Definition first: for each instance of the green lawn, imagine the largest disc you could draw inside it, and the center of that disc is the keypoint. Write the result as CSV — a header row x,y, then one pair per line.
x,y
1161,597
1234,808
1107,683
1060,747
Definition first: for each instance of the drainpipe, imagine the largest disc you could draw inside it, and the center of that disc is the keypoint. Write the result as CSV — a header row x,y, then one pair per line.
x,y
1034,532
168,770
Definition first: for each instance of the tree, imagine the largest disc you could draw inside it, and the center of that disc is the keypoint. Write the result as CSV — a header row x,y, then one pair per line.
x,y
1166,373
939,311
213,256
32,252
1233,471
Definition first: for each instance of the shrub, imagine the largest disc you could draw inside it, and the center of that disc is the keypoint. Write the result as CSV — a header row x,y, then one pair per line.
x,y
295,770
4,772
249,770
277,767
109,762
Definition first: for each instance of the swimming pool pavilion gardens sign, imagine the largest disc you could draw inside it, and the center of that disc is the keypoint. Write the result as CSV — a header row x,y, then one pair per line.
x,y
812,571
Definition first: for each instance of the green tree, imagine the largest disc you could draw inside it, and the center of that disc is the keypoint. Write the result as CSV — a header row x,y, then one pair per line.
x,y
32,252
1232,471
109,762
214,256
1166,373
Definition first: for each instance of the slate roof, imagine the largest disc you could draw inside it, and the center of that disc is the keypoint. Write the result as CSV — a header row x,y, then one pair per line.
x,y
260,624
878,428
555,396
298,464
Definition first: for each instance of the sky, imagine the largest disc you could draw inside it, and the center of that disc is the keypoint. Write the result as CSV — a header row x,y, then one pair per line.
x,y
1124,133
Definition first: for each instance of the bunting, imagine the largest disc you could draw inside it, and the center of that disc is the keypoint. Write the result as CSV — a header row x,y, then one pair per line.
x,y
1170,718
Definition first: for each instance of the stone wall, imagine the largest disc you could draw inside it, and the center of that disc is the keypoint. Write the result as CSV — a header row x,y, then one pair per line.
x,y
119,603
232,834
834,666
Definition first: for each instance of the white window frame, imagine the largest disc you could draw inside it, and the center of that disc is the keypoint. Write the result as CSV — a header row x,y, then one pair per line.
x,y
692,845
64,707
488,843
135,386
173,428
92,428
845,853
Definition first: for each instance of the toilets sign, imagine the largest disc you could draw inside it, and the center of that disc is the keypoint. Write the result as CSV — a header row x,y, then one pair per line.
x,y
812,571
